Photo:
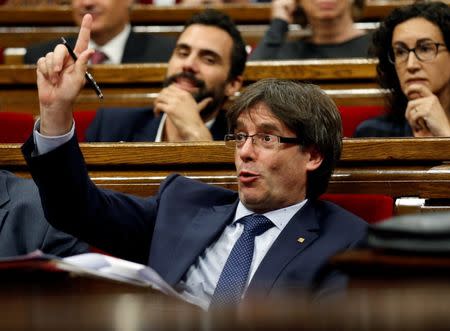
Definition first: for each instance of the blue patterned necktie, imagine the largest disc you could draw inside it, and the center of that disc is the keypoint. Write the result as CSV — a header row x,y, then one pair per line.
x,y
233,278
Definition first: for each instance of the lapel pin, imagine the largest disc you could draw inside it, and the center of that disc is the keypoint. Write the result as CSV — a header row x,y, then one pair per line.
x,y
301,240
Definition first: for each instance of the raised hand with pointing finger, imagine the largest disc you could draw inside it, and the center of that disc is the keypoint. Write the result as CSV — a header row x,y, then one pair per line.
x,y
59,81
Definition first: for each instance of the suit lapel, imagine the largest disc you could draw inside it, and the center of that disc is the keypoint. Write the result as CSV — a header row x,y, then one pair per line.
x,y
131,53
4,199
219,128
206,226
300,232
148,131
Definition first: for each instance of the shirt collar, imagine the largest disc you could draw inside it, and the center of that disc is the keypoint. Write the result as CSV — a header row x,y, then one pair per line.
x,y
279,217
115,48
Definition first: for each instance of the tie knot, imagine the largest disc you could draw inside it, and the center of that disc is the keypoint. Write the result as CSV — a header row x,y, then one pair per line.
x,y
256,224
98,57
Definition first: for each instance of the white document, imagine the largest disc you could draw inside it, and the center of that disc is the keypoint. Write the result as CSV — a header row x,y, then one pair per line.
x,y
100,266
116,269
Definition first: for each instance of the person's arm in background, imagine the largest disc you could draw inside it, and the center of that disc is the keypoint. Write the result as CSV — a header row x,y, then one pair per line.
x,y
282,15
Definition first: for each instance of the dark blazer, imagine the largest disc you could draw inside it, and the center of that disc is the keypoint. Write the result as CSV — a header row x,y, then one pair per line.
x,y
383,126
275,46
139,48
136,124
23,227
170,230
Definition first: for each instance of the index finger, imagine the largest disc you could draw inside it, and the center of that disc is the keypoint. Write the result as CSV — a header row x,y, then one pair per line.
x,y
84,35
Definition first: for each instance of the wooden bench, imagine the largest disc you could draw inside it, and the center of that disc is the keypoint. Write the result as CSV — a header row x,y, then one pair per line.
x,y
15,39
408,167
349,82
50,15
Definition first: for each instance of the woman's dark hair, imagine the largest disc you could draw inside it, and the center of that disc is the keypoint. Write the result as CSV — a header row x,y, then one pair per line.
x,y
306,110
437,13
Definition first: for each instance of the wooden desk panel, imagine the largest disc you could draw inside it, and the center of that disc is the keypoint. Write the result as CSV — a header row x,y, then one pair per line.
x,y
422,308
348,81
394,166
23,36
310,70
161,15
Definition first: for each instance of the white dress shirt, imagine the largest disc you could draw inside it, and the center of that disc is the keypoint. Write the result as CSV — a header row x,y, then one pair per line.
x,y
115,47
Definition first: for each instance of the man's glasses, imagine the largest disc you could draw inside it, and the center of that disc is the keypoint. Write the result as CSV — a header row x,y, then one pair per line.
x,y
264,140
425,51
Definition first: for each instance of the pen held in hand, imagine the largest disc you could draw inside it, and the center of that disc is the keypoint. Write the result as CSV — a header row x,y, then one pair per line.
x,y
88,76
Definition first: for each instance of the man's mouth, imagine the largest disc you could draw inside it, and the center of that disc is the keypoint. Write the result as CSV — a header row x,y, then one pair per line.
x,y
247,177
186,84
94,13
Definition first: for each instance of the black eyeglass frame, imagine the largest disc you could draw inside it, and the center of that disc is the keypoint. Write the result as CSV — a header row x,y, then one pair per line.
x,y
391,56
281,139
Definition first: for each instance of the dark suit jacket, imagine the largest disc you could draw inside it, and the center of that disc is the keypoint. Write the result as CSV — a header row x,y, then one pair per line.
x,y
274,46
23,227
383,126
139,48
170,230
136,124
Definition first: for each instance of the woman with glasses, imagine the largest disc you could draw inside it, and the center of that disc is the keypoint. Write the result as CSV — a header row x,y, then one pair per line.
x,y
412,46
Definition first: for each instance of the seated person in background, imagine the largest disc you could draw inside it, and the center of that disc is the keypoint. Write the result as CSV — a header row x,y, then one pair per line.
x,y
23,227
333,34
287,139
412,45
112,36
204,71
212,2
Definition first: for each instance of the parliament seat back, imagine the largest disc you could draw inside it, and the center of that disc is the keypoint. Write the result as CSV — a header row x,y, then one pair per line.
x,y
15,127
82,120
352,116
372,208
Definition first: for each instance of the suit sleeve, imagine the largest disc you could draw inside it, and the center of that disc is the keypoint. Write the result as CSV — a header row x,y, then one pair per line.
x,y
119,224
62,244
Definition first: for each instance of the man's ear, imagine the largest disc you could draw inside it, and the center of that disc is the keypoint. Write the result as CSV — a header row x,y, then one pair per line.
x,y
233,86
315,158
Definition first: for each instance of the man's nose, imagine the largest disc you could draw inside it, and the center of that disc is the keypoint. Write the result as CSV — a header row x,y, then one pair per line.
x,y
190,63
247,150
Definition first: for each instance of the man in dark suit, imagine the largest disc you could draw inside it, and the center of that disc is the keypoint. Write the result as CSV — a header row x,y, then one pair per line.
x,y
212,244
23,227
111,35
204,70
